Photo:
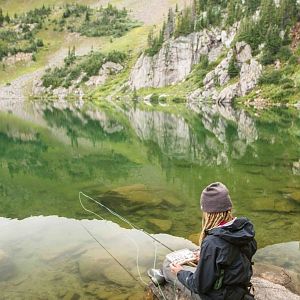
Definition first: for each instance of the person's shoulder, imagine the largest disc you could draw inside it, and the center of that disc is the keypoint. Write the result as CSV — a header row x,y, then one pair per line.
x,y
212,241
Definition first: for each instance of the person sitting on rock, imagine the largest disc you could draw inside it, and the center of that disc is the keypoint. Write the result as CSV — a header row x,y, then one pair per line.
x,y
227,245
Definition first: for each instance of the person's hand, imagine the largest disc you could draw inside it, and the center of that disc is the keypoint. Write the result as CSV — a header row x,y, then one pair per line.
x,y
175,268
197,255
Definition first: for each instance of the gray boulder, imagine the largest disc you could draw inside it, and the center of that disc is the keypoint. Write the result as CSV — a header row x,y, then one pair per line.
x,y
7,267
263,290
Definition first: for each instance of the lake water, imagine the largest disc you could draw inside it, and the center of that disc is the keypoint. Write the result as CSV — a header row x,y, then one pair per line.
x,y
149,166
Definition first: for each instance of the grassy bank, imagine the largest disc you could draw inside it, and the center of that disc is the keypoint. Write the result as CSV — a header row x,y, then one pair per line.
x,y
21,6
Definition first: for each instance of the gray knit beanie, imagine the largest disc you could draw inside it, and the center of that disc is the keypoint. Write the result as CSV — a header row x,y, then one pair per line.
x,y
215,198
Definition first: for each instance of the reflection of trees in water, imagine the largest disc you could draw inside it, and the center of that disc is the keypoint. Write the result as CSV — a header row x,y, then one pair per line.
x,y
81,125
216,135
37,158
190,141
23,156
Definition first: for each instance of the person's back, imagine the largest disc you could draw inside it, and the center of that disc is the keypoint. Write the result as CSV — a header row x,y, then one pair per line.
x,y
227,245
225,269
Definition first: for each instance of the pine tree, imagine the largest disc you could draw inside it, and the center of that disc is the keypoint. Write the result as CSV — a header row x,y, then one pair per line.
x,y
87,16
273,40
184,25
233,69
194,15
250,33
287,13
202,5
169,30
162,34
7,18
252,6
231,12
1,18
267,13
150,38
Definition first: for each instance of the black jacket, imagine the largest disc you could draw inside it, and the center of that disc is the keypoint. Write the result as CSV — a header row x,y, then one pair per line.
x,y
227,249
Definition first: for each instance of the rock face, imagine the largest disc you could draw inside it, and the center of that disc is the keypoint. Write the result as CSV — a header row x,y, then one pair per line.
x,y
107,69
263,290
215,82
177,56
19,57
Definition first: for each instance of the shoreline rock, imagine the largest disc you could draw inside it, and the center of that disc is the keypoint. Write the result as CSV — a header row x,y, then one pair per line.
x,y
263,290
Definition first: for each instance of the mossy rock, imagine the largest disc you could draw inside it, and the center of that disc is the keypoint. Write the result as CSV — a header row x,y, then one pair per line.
x,y
137,193
118,276
91,265
295,196
162,225
71,296
274,204
140,194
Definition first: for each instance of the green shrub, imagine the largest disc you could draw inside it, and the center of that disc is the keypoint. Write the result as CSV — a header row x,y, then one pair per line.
x,y
179,100
282,95
233,69
267,58
293,60
39,43
272,77
162,99
108,21
204,62
116,56
287,83
154,99
284,53
74,66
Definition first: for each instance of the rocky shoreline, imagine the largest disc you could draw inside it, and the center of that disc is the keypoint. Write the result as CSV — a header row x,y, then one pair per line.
x,y
269,283
263,290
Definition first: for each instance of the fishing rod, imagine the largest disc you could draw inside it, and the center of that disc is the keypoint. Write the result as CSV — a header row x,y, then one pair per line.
x,y
137,248
124,220
115,259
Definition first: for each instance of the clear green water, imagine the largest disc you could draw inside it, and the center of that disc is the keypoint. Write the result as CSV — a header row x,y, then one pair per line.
x,y
150,166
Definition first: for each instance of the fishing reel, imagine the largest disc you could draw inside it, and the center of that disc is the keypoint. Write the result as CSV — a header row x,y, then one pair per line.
x,y
156,276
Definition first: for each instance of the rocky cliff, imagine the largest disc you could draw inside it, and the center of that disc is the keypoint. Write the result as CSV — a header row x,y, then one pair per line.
x,y
176,58
216,85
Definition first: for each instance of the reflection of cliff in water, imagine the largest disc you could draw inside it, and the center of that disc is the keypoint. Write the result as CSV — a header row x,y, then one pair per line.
x,y
50,154
215,135
212,137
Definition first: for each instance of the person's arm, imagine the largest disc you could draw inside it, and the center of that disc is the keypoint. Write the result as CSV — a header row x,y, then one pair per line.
x,y
206,273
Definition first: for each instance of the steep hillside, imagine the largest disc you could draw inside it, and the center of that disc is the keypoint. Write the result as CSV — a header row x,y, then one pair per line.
x,y
224,49
58,34
21,6
206,51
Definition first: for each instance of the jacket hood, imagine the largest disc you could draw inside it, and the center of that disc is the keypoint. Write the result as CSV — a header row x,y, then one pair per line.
x,y
238,232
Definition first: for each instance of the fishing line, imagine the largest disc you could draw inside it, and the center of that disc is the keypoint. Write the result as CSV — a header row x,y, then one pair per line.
x,y
126,221
136,246
116,260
